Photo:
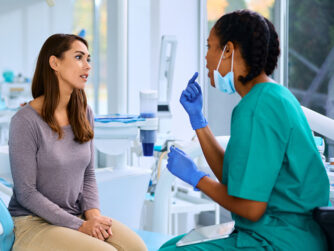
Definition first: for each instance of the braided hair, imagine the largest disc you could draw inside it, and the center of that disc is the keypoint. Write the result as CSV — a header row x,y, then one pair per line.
x,y
256,37
273,51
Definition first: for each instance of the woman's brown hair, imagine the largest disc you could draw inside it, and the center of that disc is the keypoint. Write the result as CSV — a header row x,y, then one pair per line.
x,y
45,82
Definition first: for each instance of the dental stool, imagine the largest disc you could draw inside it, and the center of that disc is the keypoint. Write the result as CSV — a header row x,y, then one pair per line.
x,y
325,218
6,228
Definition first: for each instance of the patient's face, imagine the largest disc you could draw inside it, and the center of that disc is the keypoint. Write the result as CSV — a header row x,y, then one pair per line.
x,y
74,66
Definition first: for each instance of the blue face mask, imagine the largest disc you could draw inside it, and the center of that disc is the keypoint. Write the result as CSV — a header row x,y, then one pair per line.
x,y
224,84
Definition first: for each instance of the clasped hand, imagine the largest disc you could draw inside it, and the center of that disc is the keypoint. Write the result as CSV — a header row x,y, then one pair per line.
x,y
97,226
182,166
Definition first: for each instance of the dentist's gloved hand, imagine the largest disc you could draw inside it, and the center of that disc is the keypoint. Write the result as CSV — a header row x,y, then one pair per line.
x,y
192,101
183,167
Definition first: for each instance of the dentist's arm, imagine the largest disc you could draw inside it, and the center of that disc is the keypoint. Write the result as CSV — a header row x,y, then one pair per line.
x,y
192,101
182,166
249,209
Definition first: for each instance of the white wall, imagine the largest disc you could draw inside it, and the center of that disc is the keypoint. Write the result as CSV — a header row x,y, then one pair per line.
x,y
181,19
139,51
220,107
117,61
11,44
24,29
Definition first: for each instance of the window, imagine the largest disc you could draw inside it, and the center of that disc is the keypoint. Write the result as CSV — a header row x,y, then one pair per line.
x,y
216,8
311,56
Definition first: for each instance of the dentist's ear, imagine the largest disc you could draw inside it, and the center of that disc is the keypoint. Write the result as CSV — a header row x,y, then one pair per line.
x,y
228,48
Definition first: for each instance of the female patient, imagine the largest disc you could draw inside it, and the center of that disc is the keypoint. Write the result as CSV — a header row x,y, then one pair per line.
x,y
55,201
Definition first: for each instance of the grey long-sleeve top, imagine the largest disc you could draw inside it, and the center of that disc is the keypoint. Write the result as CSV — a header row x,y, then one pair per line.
x,y
53,179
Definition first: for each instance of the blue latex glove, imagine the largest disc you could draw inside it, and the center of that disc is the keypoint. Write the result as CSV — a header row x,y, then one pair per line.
x,y
183,167
192,101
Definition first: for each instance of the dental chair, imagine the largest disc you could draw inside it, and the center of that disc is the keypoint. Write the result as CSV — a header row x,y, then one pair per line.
x,y
325,218
6,228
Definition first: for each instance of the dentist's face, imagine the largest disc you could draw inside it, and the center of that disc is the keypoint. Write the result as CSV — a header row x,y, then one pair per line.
x,y
213,55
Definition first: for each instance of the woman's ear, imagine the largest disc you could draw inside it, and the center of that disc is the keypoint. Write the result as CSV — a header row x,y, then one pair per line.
x,y
53,61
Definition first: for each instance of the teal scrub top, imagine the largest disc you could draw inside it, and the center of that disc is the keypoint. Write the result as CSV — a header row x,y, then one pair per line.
x,y
272,157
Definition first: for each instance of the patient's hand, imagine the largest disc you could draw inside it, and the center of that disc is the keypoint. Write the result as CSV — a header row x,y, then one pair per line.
x,y
97,226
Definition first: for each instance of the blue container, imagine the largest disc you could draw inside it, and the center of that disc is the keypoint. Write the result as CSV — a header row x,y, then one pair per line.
x,y
8,76
148,149
147,138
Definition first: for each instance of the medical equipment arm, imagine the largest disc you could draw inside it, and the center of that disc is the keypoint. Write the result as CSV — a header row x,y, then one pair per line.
x,y
213,152
249,209
22,153
319,123
192,101
182,166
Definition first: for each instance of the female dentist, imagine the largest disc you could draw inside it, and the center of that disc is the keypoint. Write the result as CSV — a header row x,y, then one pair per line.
x,y
271,176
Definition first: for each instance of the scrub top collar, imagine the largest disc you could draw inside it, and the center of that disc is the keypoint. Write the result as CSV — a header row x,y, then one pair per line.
x,y
257,86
